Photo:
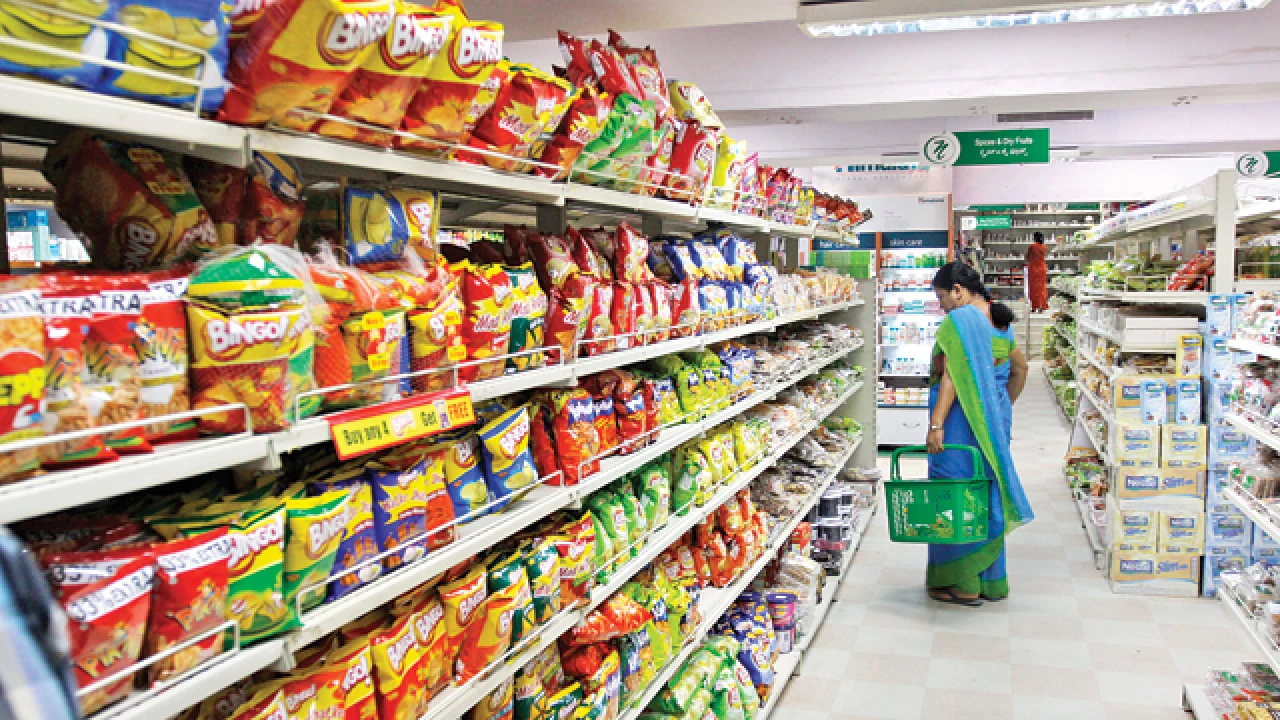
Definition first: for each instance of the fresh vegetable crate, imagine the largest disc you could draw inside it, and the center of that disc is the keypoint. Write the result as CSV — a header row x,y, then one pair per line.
x,y
938,511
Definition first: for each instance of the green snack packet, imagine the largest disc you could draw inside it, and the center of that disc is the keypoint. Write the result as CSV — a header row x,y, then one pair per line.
x,y
528,316
637,525
692,476
542,565
315,529
597,152
727,702
653,487
504,572
531,702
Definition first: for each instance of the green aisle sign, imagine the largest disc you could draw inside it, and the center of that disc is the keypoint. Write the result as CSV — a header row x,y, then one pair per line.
x,y
988,147
994,222
1259,165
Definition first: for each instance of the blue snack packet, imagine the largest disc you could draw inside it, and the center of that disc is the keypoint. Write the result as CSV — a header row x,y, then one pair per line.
x,y
52,32
508,464
359,541
399,510
199,25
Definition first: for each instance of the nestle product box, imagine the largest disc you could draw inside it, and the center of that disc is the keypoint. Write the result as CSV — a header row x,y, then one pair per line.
x,y
1184,446
1138,568
1269,556
1216,482
1126,401
1219,560
1228,445
1187,356
1134,529
1263,541
1186,402
1227,528
1217,317
1218,360
1181,532
1217,401
1136,445
1142,483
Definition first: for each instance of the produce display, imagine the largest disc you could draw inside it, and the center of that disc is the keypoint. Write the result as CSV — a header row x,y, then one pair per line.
x,y
1139,273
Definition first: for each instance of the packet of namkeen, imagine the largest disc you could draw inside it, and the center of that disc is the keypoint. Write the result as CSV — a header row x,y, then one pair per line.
x,y
530,104
442,108
300,55
380,89
112,377
134,202
161,345
66,301
190,598
107,621
398,667
582,124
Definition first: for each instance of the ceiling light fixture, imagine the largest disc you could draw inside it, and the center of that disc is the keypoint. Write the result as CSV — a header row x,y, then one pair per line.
x,y
899,17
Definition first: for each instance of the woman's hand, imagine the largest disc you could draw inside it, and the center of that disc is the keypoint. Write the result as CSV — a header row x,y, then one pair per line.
x,y
933,441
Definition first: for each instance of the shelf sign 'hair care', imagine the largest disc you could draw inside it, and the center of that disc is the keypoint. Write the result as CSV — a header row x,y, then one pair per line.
x,y
987,147
1258,165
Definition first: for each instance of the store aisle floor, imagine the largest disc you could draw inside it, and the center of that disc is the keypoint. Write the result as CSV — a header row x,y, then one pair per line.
x,y
1062,646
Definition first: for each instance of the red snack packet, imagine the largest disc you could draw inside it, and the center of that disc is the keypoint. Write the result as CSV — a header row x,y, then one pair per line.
x,y
693,157
567,311
575,543
656,166
578,68
541,444
601,388
662,301
631,411
439,506
647,71
273,205
600,321
652,416
488,252
161,346
222,190
190,598
398,670
300,54
107,621
618,616
531,103
631,255
587,258
380,89
442,109
66,302
576,437
435,339
428,626
684,308
624,313
553,260
486,320
615,75
113,382
582,124
516,241
646,313
487,637
488,95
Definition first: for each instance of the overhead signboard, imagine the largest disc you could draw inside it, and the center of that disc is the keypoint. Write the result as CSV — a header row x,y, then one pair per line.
x,y
993,222
987,147
1259,164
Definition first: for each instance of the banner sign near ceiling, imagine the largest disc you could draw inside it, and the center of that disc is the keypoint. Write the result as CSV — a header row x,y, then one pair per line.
x,y
1259,165
988,147
994,222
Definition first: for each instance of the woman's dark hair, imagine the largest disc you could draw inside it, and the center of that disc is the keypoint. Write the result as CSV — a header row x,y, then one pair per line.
x,y
1038,237
958,273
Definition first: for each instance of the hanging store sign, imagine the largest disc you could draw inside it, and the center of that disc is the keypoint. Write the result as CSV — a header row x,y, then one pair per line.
x,y
907,240
1258,165
988,147
994,222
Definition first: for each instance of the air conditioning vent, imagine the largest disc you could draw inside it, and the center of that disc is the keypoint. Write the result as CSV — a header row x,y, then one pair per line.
x,y
1044,116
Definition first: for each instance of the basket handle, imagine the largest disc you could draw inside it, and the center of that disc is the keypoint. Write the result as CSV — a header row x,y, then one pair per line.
x,y
895,473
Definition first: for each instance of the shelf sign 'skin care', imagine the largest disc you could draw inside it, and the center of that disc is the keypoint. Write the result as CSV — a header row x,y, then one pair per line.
x,y
988,147
365,430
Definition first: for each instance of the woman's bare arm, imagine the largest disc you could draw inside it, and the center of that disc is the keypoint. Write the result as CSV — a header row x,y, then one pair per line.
x,y
946,396
1017,374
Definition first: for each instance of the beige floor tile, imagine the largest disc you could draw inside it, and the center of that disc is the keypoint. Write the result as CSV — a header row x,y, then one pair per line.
x,y
964,705
1132,688
890,641
900,616
837,637
964,646
806,692
1138,712
1123,609
1192,637
1111,657
892,669
881,700
785,710
1027,707
994,623
847,611
973,675
821,662
1044,652
1057,682
1048,627
1122,632
1023,603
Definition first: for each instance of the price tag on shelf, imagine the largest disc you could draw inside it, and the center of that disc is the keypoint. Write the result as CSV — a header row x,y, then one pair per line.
x,y
365,430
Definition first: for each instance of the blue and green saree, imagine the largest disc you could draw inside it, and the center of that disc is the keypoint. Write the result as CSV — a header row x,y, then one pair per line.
x,y
977,358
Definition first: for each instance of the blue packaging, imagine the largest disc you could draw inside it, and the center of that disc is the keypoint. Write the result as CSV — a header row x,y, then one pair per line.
x,y
1216,483
1218,316
1269,556
360,248
1218,360
1230,528
1238,303
1219,560
1217,401
93,42
201,24
1262,540
680,261
1154,402
1228,445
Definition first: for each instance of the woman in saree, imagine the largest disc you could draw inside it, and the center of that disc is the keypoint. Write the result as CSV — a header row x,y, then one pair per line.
x,y
978,373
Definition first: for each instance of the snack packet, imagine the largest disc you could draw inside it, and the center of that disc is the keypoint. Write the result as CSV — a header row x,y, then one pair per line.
x,y
189,599
486,322
508,464
528,313
66,304
441,109
316,526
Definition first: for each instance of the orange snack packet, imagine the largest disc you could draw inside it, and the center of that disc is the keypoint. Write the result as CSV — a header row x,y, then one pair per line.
x,y
437,655
442,108
356,662
486,639
397,664
381,88
301,54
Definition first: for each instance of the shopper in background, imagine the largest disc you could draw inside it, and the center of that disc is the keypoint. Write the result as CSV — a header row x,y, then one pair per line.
x,y
975,362
1037,275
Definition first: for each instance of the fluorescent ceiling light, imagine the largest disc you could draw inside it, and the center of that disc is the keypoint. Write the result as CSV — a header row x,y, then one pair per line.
x,y
898,17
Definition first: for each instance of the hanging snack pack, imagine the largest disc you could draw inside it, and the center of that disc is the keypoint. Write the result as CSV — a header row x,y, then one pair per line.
x,y
486,321
441,109
133,202
380,89
688,103
528,314
301,54
466,485
379,224
397,663
246,318
731,157
273,201
693,158
576,436
582,124
359,539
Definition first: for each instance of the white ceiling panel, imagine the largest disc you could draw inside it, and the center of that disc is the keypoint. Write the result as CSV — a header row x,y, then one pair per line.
x,y
540,19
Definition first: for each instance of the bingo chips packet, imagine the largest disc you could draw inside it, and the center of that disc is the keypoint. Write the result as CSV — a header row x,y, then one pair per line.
x,y
460,458
508,464
399,672
528,315
316,526
57,33
441,110
359,539
530,104
378,225
194,24
247,320
582,124
301,54
134,202
399,508
380,89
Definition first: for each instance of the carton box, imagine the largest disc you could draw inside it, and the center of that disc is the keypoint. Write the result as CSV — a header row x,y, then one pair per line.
x,y
1184,446
1154,401
1181,533
1217,316
1126,400
1187,356
1219,560
1218,360
1216,483
1138,568
1142,483
1269,556
1133,529
1217,401
1263,541
1186,402
1182,482
1136,445
1228,528
1228,445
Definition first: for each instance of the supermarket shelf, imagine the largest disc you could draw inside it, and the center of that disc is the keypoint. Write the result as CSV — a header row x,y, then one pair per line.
x,y
1097,445
1064,291
216,677
1255,347
1160,588
1091,530
1153,297
1096,362
906,407
1258,211
1198,214
1195,700
604,197
1262,514
1062,333
902,375
1251,626
1269,439
1125,347
1102,407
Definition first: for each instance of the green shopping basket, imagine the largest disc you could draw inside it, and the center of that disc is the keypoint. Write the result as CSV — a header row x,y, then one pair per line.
x,y
939,511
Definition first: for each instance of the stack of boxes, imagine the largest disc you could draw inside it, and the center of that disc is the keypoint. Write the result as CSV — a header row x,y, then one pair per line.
x,y
1231,541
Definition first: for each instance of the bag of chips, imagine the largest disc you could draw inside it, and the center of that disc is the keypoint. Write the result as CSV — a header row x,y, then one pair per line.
x,y
567,312
602,410
378,225
427,617
107,621
600,329
399,508
542,566
381,87
662,313
189,599
688,103
595,155
693,156
355,661
508,464
297,56
134,202
359,539
315,525
162,353
529,104
576,546
530,697
273,204
441,110
576,436
397,664
582,124
528,313
486,321
487,638
441,526
66,303
508,572
497,705
465,480
541,446
112,379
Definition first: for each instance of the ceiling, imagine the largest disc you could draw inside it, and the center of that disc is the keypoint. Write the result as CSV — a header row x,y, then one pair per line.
x,y
1168,86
